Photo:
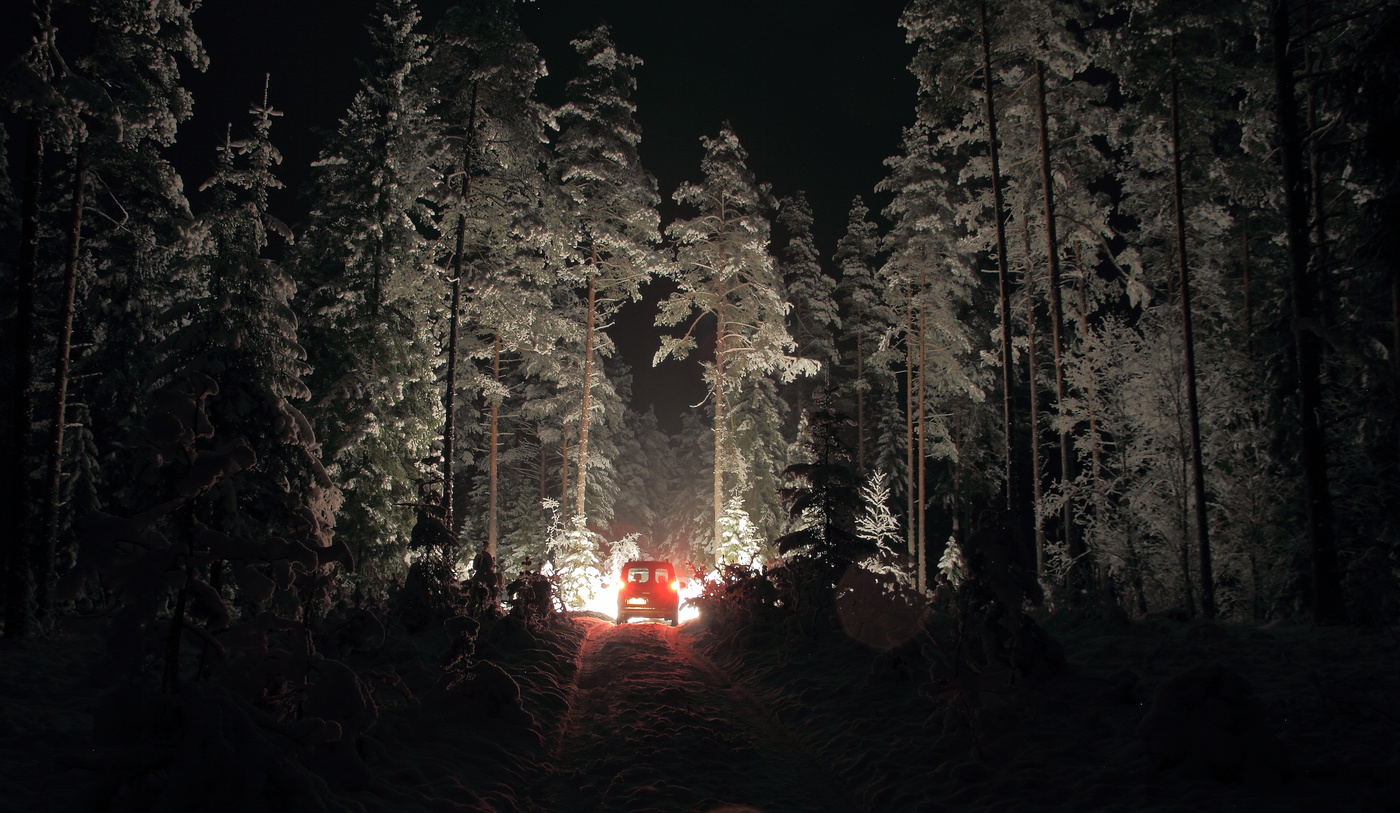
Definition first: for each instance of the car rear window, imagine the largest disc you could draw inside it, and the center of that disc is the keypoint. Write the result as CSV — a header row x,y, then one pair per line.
x,y
639,574
662,575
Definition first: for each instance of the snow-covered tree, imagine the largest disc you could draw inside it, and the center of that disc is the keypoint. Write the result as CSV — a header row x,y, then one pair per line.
x,y
236,329
371,285
865,318
813,319
725,272
489,199
610,224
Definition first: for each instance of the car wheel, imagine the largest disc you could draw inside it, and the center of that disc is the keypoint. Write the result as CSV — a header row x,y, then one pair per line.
x,y
621,619
675,620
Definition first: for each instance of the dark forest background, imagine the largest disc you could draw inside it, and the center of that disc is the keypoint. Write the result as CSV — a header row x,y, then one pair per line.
x,y
1117,326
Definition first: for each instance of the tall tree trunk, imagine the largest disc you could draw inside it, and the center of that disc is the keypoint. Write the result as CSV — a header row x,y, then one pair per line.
x,y
1327,590
1092,394
1073,543
449,396
913,524
1014,506
1037,493
449,428
493,454
921,539
719,432
860,406
54,486
582,486
19,580
1188,345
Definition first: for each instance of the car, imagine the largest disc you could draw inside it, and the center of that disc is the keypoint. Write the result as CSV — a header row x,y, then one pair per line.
x,y
648,589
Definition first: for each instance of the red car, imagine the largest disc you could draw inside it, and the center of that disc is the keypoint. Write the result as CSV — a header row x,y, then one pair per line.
x,y
649,589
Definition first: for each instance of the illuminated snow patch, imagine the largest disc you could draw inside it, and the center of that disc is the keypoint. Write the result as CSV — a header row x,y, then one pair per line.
x,y
603,600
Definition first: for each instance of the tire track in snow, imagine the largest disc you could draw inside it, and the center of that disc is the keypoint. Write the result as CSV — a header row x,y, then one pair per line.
x,y
653,725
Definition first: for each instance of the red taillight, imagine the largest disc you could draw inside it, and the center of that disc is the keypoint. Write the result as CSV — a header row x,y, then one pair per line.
x,y
676,586
621,585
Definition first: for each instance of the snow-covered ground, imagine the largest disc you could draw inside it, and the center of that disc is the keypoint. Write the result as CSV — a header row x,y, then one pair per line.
x,y
653,724
1149,716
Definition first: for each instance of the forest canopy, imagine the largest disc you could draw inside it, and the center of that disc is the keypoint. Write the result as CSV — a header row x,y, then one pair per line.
x,y
1118,325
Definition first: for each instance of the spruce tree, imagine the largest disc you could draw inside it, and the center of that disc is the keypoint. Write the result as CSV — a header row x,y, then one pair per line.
x,y
725,272
371,289
610,225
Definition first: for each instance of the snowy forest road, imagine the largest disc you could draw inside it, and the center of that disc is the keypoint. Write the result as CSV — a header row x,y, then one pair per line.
x,y
654,725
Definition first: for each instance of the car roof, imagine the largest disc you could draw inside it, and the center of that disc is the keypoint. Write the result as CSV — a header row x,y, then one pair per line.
x,y
647,563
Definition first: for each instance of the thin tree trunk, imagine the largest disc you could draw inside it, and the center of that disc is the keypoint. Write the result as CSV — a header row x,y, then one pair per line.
x,y
718,485
582,485
1073,544
921,538
1036,489
1092,396
493,454
449,429
1193,415
19,581
1013,497
53,490
449,397
1327,592
909,425
860,406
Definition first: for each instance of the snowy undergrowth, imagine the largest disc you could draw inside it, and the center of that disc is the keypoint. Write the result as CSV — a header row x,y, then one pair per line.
x,y
461,735
1155,715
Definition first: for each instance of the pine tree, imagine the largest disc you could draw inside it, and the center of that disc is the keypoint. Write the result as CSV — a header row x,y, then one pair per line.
x,y
611,223
725,271
864,316
489,196
813,319
929,284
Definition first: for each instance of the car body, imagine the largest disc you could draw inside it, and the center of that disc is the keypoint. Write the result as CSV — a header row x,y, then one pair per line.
x,y
648,588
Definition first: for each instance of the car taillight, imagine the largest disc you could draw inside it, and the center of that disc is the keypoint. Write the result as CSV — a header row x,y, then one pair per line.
x,y
676,586
621,585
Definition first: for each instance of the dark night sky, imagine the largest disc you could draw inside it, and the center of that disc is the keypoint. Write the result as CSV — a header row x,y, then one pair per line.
x,y
817,91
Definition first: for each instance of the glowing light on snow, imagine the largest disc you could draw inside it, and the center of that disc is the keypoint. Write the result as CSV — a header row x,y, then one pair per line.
x,y
690,590
604,599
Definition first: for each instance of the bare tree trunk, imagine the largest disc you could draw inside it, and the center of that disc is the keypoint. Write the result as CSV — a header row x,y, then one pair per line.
x,y
921,539
493,454
1015,508
54,486
449,397
909,425
1073,543
1092,396
449,429
1036,489
720,328
1193,416
1327,599
582,486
